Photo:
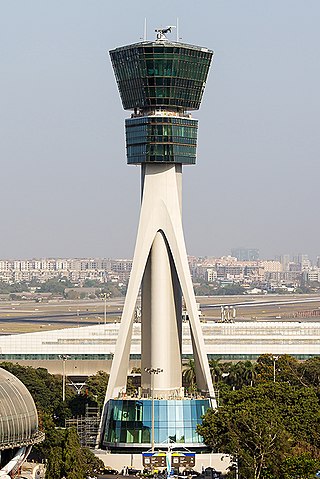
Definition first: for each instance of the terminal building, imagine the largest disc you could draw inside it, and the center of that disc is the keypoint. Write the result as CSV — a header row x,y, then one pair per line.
x,y
91,348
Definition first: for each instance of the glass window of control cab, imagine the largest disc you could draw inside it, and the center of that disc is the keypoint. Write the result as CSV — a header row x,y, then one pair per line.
x,y
157,75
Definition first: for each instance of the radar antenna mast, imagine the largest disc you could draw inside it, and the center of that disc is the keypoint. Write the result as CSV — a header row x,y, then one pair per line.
x,y
161,32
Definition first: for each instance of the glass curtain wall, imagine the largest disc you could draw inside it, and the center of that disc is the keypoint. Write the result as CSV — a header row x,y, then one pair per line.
x,y
162,139
130,421
149,74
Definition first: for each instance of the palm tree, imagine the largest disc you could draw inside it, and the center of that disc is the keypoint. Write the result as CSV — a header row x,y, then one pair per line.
x,y
236,375
250,372
189,376
215,370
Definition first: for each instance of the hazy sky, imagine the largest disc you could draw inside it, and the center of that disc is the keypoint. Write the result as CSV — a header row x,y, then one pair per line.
x,y
65,187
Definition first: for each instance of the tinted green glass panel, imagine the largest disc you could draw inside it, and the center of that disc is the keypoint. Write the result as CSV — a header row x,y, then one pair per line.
x,y
183,70
165,139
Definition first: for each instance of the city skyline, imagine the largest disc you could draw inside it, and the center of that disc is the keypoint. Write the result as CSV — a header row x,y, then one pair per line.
x,y
256,181
106,256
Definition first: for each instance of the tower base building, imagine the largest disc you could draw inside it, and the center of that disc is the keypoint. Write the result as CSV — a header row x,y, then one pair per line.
x,y
161,82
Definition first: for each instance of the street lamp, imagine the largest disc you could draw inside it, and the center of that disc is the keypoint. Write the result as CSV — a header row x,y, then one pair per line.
x,y
275,359
152,372
64,358
105,296
236,466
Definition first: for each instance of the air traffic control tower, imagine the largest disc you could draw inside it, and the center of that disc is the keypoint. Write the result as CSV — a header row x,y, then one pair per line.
x,y
160,82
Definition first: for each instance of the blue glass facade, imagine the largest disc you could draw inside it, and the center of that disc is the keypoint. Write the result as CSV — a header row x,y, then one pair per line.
x,y
161,139
129,423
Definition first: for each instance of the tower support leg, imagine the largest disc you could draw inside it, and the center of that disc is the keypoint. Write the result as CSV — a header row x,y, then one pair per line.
x,y
160,247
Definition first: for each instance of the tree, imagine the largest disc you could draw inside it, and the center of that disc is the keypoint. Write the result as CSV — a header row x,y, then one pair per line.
x,y
215,370
54,285
64,455
285,367
249,429
97,387
52,448
45,388
303,466
189,376
250,373
264,425
236,377
92,464
74,466
309,371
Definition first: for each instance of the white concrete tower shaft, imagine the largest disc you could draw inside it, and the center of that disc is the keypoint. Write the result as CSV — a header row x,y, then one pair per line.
x,y
161,319
160,261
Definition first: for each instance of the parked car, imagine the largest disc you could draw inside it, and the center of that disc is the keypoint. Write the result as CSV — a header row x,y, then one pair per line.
x,y
109,470
133,472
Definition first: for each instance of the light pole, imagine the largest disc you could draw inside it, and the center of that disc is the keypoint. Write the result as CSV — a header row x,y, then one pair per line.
x,y
64,358
105,296
236,464
275,359
152,372
233,464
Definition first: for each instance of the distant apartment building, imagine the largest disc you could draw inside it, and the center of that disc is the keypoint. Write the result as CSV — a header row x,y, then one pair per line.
x,y
121,268
312,275
211,275
284,259
234,272
266,273
271,266
12,271
300,262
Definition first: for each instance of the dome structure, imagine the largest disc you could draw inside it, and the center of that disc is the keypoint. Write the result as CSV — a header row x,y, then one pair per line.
x,y
18,424
18,414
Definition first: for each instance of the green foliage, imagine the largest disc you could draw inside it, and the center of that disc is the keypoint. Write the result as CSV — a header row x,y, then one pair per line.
x,y
189,376
54,285
65,456
309,371
45,389
54,466
91,462
264,426
300,467
286,369
113,290
73,462
97,387
209,289
13,288
61,447
91,283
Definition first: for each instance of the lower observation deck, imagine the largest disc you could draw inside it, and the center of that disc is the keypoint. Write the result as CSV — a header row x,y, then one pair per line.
x,y
128,424
161,139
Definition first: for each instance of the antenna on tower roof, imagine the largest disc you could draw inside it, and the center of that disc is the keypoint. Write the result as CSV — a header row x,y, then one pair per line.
x,y
145,30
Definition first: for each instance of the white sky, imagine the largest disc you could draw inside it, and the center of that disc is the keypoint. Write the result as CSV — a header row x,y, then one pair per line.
x,y
65,187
